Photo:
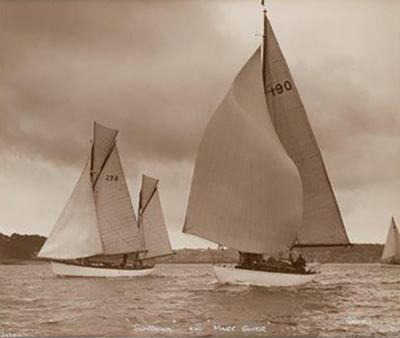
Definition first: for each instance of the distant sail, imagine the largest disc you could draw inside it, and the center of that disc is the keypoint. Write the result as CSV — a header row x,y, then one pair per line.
x,y
76,233
116,218
103,141
246,192
391,251
322,222
152,220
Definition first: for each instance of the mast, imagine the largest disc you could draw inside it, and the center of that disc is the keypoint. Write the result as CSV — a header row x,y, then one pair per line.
x,y
322,223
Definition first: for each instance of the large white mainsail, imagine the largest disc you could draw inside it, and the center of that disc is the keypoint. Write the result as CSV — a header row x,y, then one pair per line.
x,y
246,192
391,251
151,220
118,228
322,222
76,233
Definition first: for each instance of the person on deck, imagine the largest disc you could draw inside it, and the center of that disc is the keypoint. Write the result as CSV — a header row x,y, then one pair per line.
x,y
272,261
250,260
124,260
291,259
244,260
300,264
137,262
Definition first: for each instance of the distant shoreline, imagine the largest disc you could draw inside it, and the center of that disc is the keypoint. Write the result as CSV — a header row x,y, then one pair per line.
x,y
22,249
39,262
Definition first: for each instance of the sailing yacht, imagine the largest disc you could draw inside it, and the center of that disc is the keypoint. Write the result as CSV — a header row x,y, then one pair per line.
x,y
391,251
98,222
259,184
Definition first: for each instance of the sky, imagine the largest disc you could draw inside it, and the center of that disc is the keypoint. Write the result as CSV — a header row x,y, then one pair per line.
x,y
156,70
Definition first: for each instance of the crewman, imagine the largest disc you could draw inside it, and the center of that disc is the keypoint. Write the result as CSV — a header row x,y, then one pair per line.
x,y
124,260
291,259
300,264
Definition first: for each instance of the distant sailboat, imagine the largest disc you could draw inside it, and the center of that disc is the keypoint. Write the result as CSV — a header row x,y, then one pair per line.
x,y
99,221
259,184
391,251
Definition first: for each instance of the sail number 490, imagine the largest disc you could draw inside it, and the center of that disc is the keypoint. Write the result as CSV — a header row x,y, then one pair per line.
x,y
111,178
279,88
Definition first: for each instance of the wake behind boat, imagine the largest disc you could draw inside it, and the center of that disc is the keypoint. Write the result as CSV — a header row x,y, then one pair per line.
x,y
98,224
259,184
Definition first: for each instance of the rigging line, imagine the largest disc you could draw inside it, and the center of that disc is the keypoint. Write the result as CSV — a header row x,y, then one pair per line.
x,y
163,255
141,210
104,163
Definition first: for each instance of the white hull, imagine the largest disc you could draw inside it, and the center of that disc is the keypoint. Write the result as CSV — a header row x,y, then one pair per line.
x,y
72,270
231,275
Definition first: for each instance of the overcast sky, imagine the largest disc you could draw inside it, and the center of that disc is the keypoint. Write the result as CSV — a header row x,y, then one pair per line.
x,y
156,70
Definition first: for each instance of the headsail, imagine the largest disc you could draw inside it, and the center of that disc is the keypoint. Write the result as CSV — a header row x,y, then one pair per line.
x,y
246,192
391,251
151,219
322,222
116,218
76,233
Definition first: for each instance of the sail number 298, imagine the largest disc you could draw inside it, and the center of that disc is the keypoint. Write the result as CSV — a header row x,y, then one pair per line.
x,y
279,88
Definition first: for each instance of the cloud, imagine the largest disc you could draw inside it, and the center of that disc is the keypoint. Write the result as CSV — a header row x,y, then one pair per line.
x,y
148,69
156,70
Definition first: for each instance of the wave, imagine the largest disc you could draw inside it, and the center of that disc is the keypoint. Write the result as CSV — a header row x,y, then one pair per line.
x,y
386,282
53,321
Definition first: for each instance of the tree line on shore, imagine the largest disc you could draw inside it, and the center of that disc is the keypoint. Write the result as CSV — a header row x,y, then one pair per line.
x,y
25,247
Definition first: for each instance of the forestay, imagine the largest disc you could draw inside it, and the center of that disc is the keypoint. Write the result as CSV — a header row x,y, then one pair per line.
x,y
246,192
322,223
75,234
391,251
116,218
151,220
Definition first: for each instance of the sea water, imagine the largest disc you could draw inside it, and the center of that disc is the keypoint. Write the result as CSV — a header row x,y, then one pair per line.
x,y
187,300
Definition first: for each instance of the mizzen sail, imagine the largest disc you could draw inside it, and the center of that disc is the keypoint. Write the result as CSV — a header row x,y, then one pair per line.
x,y
151,220
391,251
246,192
76,233
116,218
322,222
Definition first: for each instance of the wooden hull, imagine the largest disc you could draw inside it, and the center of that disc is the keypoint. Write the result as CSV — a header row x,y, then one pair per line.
x,y
231,275
72,270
